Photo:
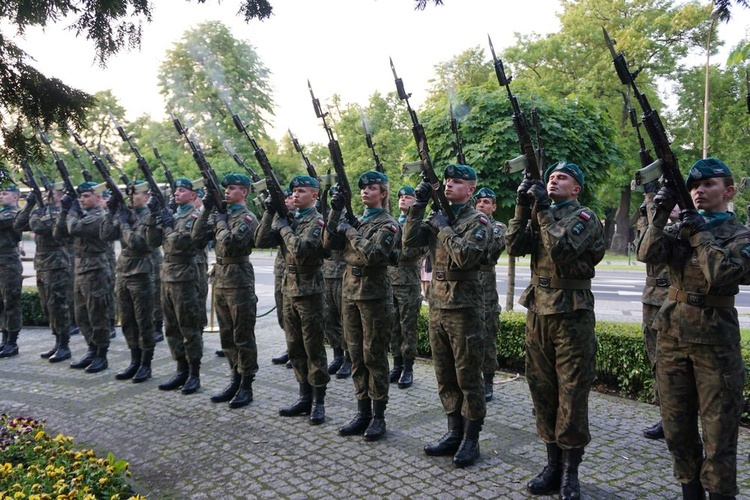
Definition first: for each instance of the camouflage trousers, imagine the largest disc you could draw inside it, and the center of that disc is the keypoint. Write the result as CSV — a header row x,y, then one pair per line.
x,y
407,300
649,340
366,328
136,304
10,299
333,331
93,292
236,310
560,368
112,300
203,290
182,306
278,299
490,320
54,290
701,380
157,315
456,340
304,339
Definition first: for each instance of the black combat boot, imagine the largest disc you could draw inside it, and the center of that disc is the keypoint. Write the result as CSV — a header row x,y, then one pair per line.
x,y
11,348
360,421
346,368
86,360
376,429
48,354
63,350
144,371
158,331
244,395
4,341
571,488
318,411
656,431
468,451
449,443
135,363
693,490
303,405
548,481
281,358
193,382
719,496
489,388
179,377
99,363
229,391
338,360
407,376
398,367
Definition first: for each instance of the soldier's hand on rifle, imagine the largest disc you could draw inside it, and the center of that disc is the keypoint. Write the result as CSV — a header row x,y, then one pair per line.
x,y
31,200
338,201
279,223
66,202
220,217
153,205
666,198
522,193
692,223
343,227
167,220
651,187
112,204
76,208
437,221
539,193
123,215
422,193
208,203
268,207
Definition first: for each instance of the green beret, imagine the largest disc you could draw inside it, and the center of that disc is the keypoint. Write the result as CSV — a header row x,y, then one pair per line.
x,y
86,187
200,192
235,180
485,192
287,192
183,182
11,187
139,186
406,191
707,168
458,171
569,168
304,181
372,177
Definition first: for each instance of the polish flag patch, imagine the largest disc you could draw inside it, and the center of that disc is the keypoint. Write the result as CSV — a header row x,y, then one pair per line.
x,y
248,218
321,223
483,220
585,216
393,228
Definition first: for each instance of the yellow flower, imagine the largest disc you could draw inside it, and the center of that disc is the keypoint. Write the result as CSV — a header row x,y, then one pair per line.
x,y
89,496
103,480
19,494
39,435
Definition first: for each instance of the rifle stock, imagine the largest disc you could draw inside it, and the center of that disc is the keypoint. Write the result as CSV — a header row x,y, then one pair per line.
x,y
167,172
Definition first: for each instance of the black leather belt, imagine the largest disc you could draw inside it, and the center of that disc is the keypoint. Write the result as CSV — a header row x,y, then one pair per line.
x,y
662,282
360,271
90,254
455,275
232,260
561,283
179,259
488,267
701,299
294,269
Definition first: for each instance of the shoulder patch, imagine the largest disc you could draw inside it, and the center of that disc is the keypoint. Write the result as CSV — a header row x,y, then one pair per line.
x,y
248,217
193,215
577,229
496,230
393,228
745,252
243,228
320,222
316,232
483,219
585,215
479,234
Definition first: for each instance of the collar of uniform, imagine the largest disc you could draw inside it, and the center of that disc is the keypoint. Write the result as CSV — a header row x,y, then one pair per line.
x,y
401,218
456,207
303,213
141,210
233,208
7,207
715,219
370,213
560,204
183,209
93,210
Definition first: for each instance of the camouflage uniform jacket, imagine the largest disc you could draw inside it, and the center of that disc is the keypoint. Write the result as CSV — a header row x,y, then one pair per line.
x,y
653,294
406,271
180,249
83,227
9,238
496,245
137,243
334,266
366,251
568,244
455,248
302,244
712,262
50,252
233,240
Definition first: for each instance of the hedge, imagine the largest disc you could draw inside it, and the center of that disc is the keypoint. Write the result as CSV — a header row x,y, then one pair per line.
x,y
621,361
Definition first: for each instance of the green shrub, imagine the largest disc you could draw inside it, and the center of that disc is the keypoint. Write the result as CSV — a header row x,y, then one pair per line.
x,y
31,308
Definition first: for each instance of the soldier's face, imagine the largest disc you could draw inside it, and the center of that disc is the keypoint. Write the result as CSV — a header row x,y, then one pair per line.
x,y
304,197
562,186
711,195
235,194
89,200
405,201
373,196
8,198
140,199
289,202
459,190
55,197
486,205
183,196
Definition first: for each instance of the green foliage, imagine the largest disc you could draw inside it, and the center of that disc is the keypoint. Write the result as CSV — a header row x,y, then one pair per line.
x,y
31,308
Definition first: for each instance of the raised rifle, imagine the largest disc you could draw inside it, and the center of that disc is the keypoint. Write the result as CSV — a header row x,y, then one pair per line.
x,y
62,169
541,155
275,191
259,185
167,172
102,169
334,150
84,171
30,181
368,139
142,164
43,178
112,163
460,158
427,170
666,159
528,156
308,164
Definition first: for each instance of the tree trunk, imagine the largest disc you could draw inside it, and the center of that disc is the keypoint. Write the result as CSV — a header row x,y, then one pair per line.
x,y
511,285
621,237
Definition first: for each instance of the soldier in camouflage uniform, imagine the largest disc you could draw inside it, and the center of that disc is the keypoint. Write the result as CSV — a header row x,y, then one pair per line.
x,y
301,245
407,300
81,219
279,267
157,315
180,293
52,264
487,204
565,241
133,288
455,303
105,203
366,287
201,258
234,285
700,371
11,272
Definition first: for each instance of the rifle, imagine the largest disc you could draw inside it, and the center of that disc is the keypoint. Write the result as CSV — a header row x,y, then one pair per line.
x,y
666,159
428,171
275,191
167,172
60,164
209,175
368,139
541,156
30,181
45,181
334,150
460,158
259,185
111,161
528,153
142,164
84,171
310,167
103,170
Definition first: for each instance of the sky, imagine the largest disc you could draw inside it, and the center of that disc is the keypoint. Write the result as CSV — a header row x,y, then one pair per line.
x,y
341,46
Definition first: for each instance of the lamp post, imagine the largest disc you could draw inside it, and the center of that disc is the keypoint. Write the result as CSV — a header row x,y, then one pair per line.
x,y
714,18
